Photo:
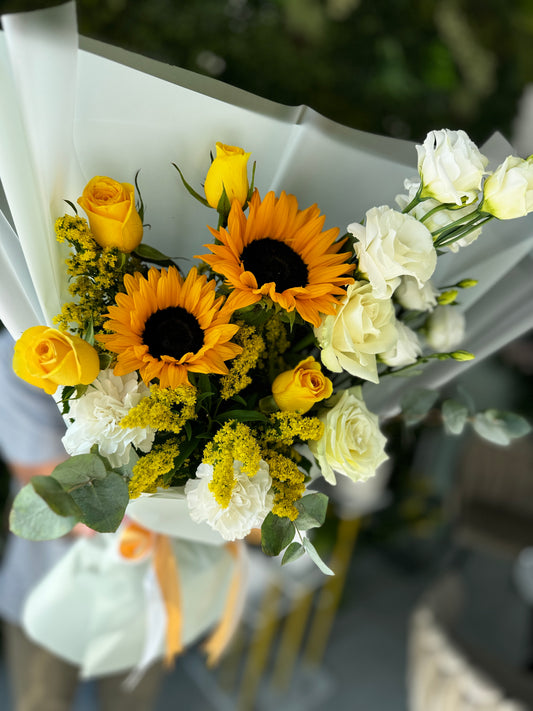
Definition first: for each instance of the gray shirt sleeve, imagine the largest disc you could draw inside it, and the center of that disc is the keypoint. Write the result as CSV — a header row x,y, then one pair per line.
x,y
31,426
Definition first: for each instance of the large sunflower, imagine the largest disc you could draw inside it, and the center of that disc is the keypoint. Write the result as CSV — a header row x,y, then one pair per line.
x,y
281,252
165,326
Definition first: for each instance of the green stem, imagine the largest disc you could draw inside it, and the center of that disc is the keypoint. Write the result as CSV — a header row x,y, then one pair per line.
x,y
447,238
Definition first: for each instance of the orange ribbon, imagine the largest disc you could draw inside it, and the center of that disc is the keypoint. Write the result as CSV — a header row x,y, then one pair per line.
x,y
135,543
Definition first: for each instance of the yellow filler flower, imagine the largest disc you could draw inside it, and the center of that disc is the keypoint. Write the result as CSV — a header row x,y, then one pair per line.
x,y
280,252
166,326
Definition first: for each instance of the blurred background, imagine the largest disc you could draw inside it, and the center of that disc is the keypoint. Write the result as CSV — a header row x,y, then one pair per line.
x,y
429,560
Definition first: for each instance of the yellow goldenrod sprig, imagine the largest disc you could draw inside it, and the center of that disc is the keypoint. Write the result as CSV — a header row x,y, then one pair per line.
x,y
238,378
166,409
288,426
148,473
288,481
233,441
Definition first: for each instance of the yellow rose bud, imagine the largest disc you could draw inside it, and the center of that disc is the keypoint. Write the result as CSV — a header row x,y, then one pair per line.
x,y
300,388
113,218
229,171
46,357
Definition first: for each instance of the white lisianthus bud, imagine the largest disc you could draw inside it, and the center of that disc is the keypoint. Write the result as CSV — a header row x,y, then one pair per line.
x,y
414,297
391,245
352,443
451,167
405,351
445,329
361,327
508,192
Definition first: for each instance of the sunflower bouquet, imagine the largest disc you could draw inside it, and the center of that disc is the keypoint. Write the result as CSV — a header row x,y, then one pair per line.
x,y
227,389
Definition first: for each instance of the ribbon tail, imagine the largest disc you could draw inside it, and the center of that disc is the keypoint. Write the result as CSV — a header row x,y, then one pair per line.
x,y
222,634
166,570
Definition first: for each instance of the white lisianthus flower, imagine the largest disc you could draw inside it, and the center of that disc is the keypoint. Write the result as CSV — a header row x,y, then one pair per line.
x,y
391,245
445,329
405,351
97,415
251,500
508,192
352,443
441,218
362,327
451,167
413,297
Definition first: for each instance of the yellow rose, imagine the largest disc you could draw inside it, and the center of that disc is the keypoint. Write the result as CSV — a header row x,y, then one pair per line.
x,y
299,388
110,207
228,170
46,357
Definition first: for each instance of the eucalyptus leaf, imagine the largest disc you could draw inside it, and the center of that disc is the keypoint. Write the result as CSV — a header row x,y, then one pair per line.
x,y
125,470
417,403
276,534
500,427
317,560
32,518
102,502
55,496
454,416
79,470
311,511
294,551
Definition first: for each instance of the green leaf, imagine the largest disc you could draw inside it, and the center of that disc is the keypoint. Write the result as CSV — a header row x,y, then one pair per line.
x,y
190,189
311,511
276,534
223,206
102,502
140,206
500,427
294,551
32,518
317,560
151,254
417,403
89,332
79,470
454,416
242,416
55,496
125,470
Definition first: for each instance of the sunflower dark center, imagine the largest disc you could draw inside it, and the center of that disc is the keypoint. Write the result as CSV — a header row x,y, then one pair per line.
x,y
271,260
173,332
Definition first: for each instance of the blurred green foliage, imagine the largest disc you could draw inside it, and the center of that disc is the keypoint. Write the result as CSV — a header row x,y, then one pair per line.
x,y
396,67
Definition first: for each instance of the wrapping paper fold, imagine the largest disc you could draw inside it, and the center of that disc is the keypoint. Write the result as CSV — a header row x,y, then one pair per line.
x,y
99,611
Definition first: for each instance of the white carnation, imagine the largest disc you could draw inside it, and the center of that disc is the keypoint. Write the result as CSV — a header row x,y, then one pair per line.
x,y
361,327
352,443
451,167
251,500
391,245
445,328
405,351
97,415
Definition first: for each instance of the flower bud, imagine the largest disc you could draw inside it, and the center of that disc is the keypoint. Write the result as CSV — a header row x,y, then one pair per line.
x,y
227,172
467,283
447,297
113,218
300,388
462,355
508,192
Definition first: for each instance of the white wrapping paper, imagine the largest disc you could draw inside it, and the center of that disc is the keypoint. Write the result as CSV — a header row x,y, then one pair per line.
x,y
91,609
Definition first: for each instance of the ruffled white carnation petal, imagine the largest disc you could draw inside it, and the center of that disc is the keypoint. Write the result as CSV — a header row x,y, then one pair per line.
x,y
251,500
97,415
